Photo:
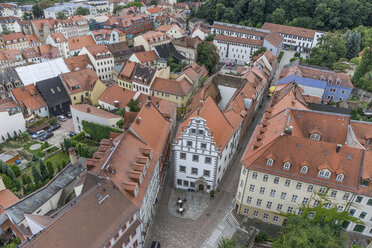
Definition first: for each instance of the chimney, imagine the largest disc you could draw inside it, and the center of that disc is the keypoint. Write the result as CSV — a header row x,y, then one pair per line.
x,y
116,104
148,104
288,130
123,89
338,148
72,154
157,104
88,110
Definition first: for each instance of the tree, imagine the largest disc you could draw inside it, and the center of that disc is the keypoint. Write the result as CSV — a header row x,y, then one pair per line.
x,y
16,185
118,8
24,179
36,175
278,16
7,181
302,232
120,112
82,11
16,170
330,50
133,105
50,169
227,243
207,56
10,173
46,4
210,37
61,16
37,11
67,144
43,170
257,52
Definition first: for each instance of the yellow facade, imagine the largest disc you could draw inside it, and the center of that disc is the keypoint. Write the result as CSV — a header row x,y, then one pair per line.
x,y
181,101
97,91
125,84
18,46
89,96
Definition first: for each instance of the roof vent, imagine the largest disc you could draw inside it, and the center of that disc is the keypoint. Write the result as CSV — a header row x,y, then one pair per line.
x,y
138,120
288,130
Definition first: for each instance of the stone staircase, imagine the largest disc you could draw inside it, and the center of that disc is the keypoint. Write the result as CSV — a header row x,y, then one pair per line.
x,y
230,219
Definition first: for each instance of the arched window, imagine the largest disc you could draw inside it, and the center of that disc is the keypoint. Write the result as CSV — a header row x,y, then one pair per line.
x,y
340,177
286,165
304,169
269,162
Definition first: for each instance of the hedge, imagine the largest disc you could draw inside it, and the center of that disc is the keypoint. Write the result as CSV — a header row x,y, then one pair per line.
x,y
98,132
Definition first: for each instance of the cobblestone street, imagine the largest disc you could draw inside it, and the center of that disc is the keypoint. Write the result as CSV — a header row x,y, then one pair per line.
x,y
172,231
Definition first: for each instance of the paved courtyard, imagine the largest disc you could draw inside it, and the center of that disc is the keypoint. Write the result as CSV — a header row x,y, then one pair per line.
x,y
174,231
61,133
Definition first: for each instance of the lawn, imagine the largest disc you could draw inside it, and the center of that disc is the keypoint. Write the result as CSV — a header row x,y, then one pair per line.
x,y
11,145
34,152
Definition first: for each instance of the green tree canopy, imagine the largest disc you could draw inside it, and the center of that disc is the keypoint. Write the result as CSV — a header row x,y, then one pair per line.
x,y
207,56
302,232
61,16
36,175
45,4
37,11
278,16
43,170
227,243
133,105
330,50
82,11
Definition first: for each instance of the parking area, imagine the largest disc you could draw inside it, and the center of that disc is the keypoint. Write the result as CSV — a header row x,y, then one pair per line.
x,y
61,133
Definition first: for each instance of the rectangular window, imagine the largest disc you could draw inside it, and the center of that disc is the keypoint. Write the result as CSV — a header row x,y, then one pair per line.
x,y
255,213
183,155
207,160
283,195
362,215
266,216
195,158
194,171
346,196
359,199
262,190
251,187
189,143
269,204
179,182
275,218
322,190
352,212
254,175
369,202
276,180
333,193
316,203
249,200
287,182
272,192
299,185
310,188
207,173
294,198
259,201
203,146
246,211
279,207
244,171
185,183
305,200
265,178
116,236
123,228
289,210
182,168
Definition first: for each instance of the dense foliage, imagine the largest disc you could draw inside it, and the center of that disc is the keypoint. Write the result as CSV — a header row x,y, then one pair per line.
x,y
82,11
98,132
207,56
315,14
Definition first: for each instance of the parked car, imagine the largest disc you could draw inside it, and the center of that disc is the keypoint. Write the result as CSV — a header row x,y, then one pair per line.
x,y
72,134
46,136
68,115
31,120
61,118
38,134
155,244
54,127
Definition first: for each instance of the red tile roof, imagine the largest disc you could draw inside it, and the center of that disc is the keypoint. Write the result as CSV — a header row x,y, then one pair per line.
x,y
115,93
239,40
146,56
86,108
79,42
284,29
78,62
7,198
29,97
174,87
86,78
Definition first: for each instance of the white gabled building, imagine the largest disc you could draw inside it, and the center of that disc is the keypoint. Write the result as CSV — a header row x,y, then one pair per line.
x,y
205,144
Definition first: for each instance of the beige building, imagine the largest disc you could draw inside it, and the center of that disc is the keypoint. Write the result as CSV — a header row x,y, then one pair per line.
x,y
16,40
151,39
297,158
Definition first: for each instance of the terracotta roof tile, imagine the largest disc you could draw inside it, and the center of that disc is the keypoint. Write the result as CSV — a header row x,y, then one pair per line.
x,y
239,40
79,62
284,29
86,78
115,93
146,56
79,42
174,87
7,198
29,97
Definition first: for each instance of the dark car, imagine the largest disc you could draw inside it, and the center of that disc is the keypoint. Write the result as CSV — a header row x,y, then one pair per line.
x,y
46,136
54,127
72,134
68,115
155,244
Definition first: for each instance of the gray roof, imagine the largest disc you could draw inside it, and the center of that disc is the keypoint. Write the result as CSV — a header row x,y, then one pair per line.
x,y
30,203
9,75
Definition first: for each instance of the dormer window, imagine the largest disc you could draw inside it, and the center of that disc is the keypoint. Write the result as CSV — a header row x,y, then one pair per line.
x,y
287,165
315,136
322,78
324,173
340,177
330,80
338,82
269,162
304,169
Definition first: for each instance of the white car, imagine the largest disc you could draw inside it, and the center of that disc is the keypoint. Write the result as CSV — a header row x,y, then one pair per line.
x,y
61,118
38,134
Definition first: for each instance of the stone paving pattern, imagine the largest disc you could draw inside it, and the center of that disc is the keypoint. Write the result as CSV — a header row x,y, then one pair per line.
x,y
177,232
196,203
